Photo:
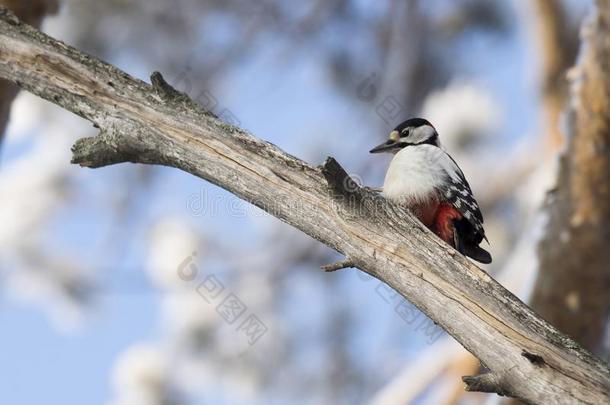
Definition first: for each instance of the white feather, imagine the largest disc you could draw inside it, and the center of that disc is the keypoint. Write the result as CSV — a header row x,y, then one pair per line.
x,y
420,134
416,173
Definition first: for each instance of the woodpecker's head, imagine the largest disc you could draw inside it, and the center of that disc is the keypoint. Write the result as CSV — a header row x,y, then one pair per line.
x,y
414,131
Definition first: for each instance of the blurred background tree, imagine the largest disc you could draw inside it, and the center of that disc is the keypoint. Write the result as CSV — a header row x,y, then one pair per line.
x,y
103,254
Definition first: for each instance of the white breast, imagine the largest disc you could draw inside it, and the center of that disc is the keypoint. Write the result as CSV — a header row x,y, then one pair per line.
x,y
415,174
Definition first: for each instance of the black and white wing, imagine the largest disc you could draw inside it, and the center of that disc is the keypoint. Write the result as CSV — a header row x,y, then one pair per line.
x,y
457,192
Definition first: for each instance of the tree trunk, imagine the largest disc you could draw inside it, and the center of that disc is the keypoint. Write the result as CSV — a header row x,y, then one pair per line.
x,y
557,47
572,289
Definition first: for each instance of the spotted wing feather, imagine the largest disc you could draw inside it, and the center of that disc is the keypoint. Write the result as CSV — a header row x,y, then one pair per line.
x,y
457,192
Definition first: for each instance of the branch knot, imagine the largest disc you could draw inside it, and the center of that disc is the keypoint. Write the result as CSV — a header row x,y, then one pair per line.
x,y
486,382
165,90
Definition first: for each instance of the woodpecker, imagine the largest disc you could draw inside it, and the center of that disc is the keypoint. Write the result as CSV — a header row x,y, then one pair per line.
x,y
426,179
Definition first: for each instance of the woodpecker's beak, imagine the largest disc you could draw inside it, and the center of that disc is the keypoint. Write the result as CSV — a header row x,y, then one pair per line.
x,y
388,145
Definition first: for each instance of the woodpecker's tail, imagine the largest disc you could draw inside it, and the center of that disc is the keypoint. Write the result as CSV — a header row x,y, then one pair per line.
x,y
477,253
471,249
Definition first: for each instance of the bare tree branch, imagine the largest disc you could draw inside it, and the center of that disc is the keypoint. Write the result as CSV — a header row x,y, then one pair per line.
x,y
574,272
31,12
343,264
141,123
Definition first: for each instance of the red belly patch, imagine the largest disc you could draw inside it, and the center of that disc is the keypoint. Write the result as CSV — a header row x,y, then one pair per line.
x,y
443,223
437,216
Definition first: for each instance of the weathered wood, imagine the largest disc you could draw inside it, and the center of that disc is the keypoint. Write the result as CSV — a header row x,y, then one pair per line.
x,y
141,123
32,12
573,290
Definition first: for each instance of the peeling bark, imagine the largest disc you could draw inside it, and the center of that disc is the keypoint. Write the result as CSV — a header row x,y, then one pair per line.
x,y
571,291
154,124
